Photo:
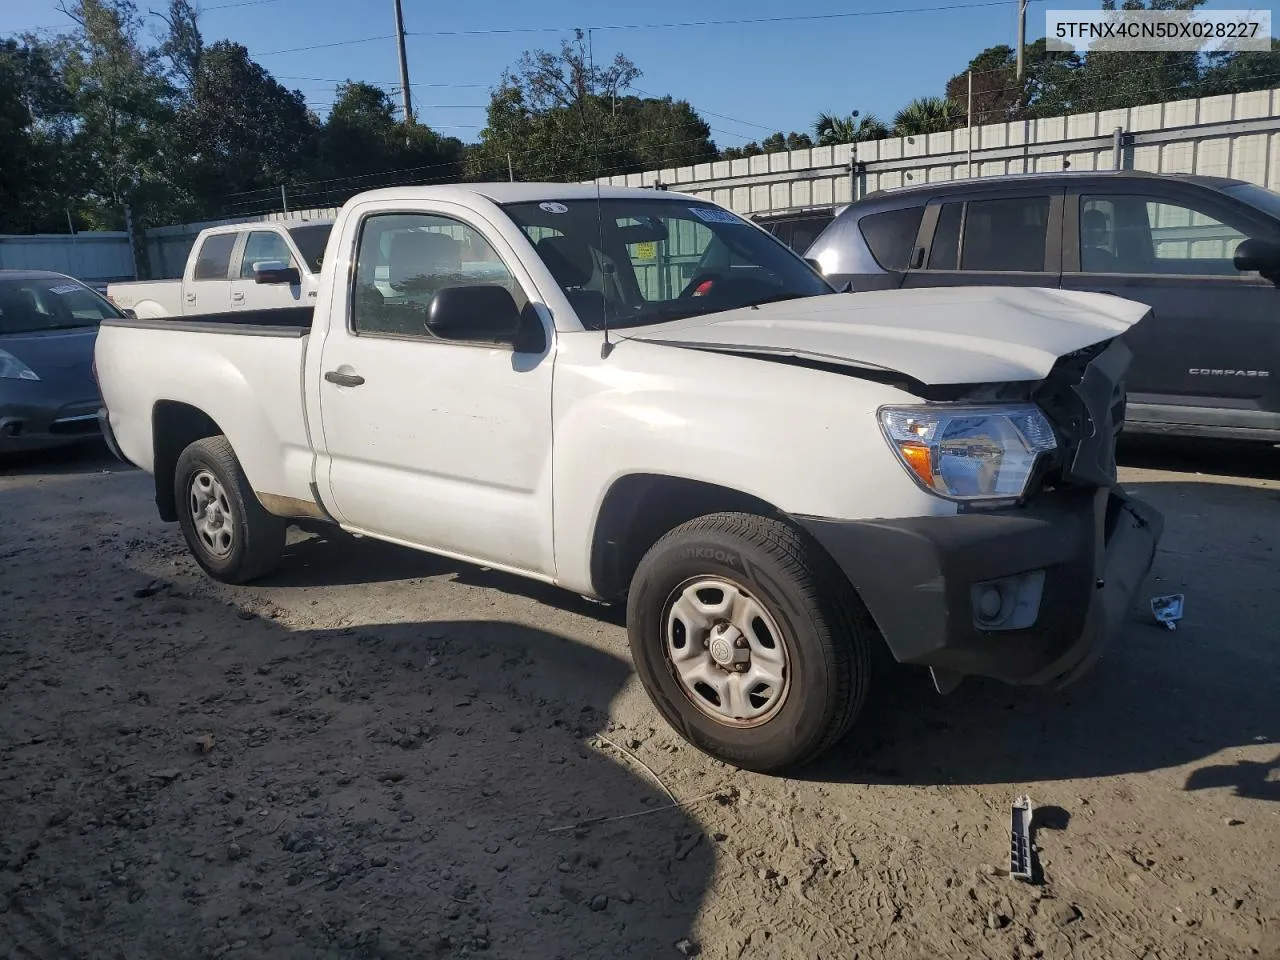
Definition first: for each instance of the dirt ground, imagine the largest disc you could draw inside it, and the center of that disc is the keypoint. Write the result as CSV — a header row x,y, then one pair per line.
x,y
377,753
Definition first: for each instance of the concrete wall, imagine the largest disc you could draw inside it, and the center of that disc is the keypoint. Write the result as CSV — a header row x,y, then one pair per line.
x,y
95,257
1232,136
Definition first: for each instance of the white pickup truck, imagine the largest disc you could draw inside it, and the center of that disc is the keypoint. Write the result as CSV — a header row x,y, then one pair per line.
x,y
242,266
637,394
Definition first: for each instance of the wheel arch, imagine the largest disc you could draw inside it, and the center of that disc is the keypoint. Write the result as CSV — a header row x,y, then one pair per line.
x,y
640,508
174,427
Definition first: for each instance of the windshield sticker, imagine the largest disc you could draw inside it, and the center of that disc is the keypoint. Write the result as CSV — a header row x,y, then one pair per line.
x,y
712,215
552,206
64,288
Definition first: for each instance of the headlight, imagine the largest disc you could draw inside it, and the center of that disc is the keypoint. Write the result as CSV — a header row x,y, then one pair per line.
x,y
11,368
969,453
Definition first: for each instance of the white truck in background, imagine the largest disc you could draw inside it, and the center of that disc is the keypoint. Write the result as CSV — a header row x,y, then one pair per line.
x,y
242,266
639,396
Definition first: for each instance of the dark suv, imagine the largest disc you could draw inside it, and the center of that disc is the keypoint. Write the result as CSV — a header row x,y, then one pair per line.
x,y
795,228
1206,364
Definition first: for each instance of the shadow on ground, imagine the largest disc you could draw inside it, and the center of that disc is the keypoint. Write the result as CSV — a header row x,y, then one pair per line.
x,y
406,790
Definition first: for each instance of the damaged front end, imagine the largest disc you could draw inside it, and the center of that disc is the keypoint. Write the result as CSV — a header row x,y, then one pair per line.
x,y
1027,591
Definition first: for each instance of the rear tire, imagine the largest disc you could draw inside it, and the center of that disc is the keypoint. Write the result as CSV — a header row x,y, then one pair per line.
x,y
227,530
749,641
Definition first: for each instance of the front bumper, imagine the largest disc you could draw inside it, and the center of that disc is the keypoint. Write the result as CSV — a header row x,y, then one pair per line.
x,y
922,581
39,423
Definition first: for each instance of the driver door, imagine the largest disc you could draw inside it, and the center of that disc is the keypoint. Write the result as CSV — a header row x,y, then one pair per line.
x,y
246,293
441,444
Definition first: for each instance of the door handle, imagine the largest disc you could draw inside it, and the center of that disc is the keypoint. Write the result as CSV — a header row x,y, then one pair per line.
x,y
344,379
191,298
238,297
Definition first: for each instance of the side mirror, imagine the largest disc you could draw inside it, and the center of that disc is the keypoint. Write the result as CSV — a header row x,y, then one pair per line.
x,y
275,271
1260,255
129,313
483,311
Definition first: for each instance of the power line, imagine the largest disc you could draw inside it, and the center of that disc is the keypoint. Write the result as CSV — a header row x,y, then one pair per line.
x,y
376,83
324,46
737,21
734,21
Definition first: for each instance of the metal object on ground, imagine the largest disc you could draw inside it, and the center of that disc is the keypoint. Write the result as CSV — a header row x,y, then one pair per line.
x,y
1020,840
1167,610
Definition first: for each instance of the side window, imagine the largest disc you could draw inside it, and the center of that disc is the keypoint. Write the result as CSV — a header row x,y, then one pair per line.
x,y
1130,234
1005,235
891,236
405,258
944,252
805,231
263,245
214,259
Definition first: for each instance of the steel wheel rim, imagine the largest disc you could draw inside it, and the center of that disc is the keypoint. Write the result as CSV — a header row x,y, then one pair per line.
x,y
211,514
726,651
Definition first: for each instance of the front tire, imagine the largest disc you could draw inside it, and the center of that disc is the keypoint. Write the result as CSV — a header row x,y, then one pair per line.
x,y
749,641
227,530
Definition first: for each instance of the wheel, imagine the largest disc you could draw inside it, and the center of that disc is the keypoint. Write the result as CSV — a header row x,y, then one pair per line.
x,y
749,641
227,529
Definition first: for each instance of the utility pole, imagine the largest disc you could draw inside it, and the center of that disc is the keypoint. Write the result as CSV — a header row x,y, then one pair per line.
x,y
1022,32
404,67
968,147
511,173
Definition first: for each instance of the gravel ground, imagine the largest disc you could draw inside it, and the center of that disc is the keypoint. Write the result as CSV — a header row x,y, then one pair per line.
x,y
377,753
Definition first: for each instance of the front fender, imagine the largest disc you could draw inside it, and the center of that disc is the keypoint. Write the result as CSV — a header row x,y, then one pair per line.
x,y
801,439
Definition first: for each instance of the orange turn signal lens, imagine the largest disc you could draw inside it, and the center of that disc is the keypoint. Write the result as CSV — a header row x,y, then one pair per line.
x,y
919,460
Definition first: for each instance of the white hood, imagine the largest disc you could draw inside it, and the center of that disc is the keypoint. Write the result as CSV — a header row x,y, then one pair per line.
x,y
939,335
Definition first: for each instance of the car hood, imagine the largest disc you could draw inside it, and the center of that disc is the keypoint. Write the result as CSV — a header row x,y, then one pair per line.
x,y
53,354
937,336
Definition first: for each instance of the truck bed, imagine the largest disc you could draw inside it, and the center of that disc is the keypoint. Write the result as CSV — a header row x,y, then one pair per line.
x,y
279,322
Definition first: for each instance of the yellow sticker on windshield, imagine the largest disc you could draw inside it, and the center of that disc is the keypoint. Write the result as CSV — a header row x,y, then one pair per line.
x,y
647,250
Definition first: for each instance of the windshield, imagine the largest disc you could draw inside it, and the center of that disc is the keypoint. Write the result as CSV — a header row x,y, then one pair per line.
x,y
1268,201
310,241
31,304
639,261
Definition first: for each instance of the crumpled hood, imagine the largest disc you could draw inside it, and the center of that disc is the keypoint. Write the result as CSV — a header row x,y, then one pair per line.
x,y
940,335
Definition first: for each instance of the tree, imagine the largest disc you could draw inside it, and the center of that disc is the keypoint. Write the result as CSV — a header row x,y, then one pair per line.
x,y
39,161
123,105
561,117
239,130
997,95
778,143
1241,72
364,144
183,45
927,115
751,149
832,130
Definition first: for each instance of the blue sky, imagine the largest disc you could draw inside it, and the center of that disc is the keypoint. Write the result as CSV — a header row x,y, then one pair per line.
x,y
747,79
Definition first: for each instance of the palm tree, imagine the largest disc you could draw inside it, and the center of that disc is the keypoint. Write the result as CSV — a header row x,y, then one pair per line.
x,y
927,115
831,129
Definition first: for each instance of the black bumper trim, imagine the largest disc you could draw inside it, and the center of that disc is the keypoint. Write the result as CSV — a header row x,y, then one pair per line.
x,y
915,576
104,424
